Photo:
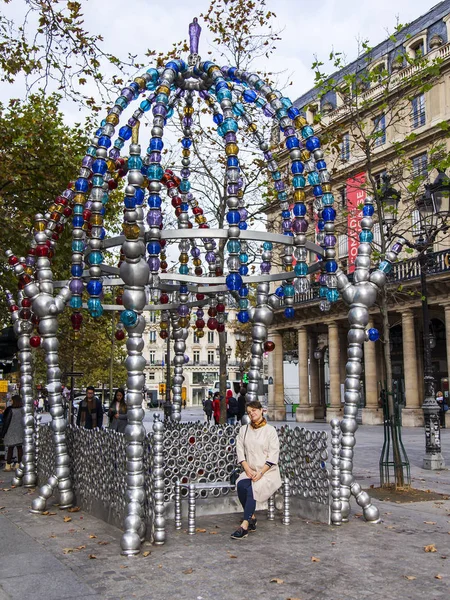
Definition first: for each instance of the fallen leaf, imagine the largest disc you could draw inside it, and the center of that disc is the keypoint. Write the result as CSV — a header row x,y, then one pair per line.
x,y
45,512
144,554
102,543
92,556
438,576
92,536
198,530
51,514
6,489
410,577
213,532
73,509
430,522
188,571
53,536
81,547
67,519
443,557
372,486
293,598
159,566
390,526
430,548
315,559
276,580
2,507
124,567
67,550
233,556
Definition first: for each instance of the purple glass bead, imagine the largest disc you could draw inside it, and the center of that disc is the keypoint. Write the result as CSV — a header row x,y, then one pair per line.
x,y
154,218
114,153
279,186
397,247
268,111
330,241
153,263
69,194
76,286
186,359
160,109
127,94
132,122
155,157
195,252
323,279
210,257
87,161
302,225
243,213
187,122
287,224
233,188
30,261
203,94
185,173
230,137
240,182
200,313
268,155
88,205
289,131
224,70
265,267
183,310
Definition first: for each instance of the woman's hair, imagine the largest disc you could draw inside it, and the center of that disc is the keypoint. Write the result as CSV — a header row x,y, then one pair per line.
x,y
122,391
16,401
254,404
229,393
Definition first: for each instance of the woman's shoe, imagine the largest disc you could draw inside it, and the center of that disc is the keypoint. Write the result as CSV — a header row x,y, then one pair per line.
x,y
7,467
239,534
252,524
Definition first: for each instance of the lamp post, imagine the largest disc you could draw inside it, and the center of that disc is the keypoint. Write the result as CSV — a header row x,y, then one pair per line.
x,y
318,355
241,340
168,403
390,199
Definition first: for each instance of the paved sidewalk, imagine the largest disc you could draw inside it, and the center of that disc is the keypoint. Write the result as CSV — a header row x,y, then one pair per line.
x,y
46,558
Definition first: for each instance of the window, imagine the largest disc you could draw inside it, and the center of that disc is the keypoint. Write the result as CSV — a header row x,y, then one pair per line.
x,y
345,147
152,317
151,376
196,355
379,178
152,357
343,245
210,337
343,196
417,50
152,336
378,72
418,111
196,339
415,222
379,130
419,165
210,357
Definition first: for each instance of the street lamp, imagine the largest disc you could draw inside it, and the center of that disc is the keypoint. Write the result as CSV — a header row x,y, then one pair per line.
x,y
390,198
432,206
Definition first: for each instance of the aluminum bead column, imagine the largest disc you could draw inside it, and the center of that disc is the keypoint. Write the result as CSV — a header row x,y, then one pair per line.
x,y
262,317
179,335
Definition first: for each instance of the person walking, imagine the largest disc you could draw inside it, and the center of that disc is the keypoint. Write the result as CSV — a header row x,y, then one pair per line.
x,y
117,412
13,432
443,408
258,450
208,408
90,411
232,408
216,407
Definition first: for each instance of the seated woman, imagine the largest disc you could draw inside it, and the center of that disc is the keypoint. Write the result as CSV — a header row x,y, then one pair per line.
x,y
258,449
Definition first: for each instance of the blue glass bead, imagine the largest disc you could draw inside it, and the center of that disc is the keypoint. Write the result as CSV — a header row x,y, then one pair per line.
x,y
119,144
184,207
279,292
307,131
234,282
232,162
102,233
243,304
207,64
223,95
153,247
259,84
368,210
129,202
317,190
321,165
77,270
139,195
95,257
81,185
289,312
289,290
184,269
276,175
331,266
286,102
151,85
268,246
78,221
320,224
243,316
162,99
243,257
328,199
328,213
230,125
233,246
292,142
155,172
301,268
128,318
243,270
288,233
98,133
105,198
282,196
243,292
78,209
238,109
221,84
134,87
299,210
281,114
76,302
135,162
286,214
332,295
99,167
145,105
313,178
293,112
173,65
97,181
373,334
366,237
169,114
77,246
233,217
297,167
243,226
186,142
154,201
298,181
92,151
385,266
104,141
218,119
122,102
220,130
312,143
94,287
185,186
153,74
156,144
249,95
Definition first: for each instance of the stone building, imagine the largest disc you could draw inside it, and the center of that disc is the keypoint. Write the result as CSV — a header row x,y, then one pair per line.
x,y
320,338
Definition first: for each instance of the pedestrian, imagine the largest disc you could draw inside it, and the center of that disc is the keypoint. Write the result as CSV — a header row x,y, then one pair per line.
x,y
232,408
46,401
36,405
13,432
258,449
90,411
216,407
183,402
117,412
443,408
241,404
208,408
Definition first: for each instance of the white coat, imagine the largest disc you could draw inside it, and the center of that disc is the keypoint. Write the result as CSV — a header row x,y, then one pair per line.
x,y
256,446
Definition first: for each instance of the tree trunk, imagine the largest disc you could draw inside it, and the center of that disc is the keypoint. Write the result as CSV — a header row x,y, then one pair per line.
x,y
223,378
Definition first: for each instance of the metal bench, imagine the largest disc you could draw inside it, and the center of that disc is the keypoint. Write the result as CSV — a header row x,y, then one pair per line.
x,y
193,487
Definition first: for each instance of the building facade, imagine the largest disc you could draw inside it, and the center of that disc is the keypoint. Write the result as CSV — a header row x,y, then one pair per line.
x,y
321,338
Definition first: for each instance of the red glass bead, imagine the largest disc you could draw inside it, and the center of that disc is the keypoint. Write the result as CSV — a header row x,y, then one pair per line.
x,y
163,335
203,226
197,210
178,211
189,225
25,313
163,264
77,320
122,172
35,341
51,253
170,184
198,271
164,298
67,211
212,324
177,180
212,312
32,252
220,307
26,303
13,260
220,327
163,243
200,323
13,308
200,296
112,184
86,214
176,201
55,216
119,299
269,346
35,319
24,279
120,334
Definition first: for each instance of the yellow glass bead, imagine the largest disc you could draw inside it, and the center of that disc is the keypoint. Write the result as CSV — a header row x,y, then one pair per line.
x,y
240,194
299,195
111,165
188,111
131,231
164,325
52,207
85,226
29,270
163,89
141,82
79,199
183,322
186,152
210,100
97,220
184,258
163,256
326,187
231,149
199,333
39,226
197,262
213,68
252,128
145,182
113,119
300,122
305,155
271,97
289,268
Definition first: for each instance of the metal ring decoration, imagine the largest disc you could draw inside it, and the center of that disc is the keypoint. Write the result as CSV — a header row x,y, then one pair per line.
x,y
336,516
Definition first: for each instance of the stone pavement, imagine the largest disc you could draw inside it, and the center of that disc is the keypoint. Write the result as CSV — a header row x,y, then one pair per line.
x,y
44,557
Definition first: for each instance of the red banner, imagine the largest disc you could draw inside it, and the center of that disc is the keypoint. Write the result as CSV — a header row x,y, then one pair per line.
x,y
356,194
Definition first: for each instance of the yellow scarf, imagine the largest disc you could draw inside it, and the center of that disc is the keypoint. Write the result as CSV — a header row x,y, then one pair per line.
x,y
260,424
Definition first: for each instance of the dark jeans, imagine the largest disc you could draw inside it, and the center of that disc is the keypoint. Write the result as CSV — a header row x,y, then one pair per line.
x,y
245,494
10,454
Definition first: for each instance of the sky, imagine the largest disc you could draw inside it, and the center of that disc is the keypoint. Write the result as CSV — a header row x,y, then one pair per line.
x,y
307,29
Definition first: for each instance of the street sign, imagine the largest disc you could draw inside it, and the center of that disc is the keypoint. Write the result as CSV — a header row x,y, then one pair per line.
x,y
75,374
270,381
3,385
162,388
